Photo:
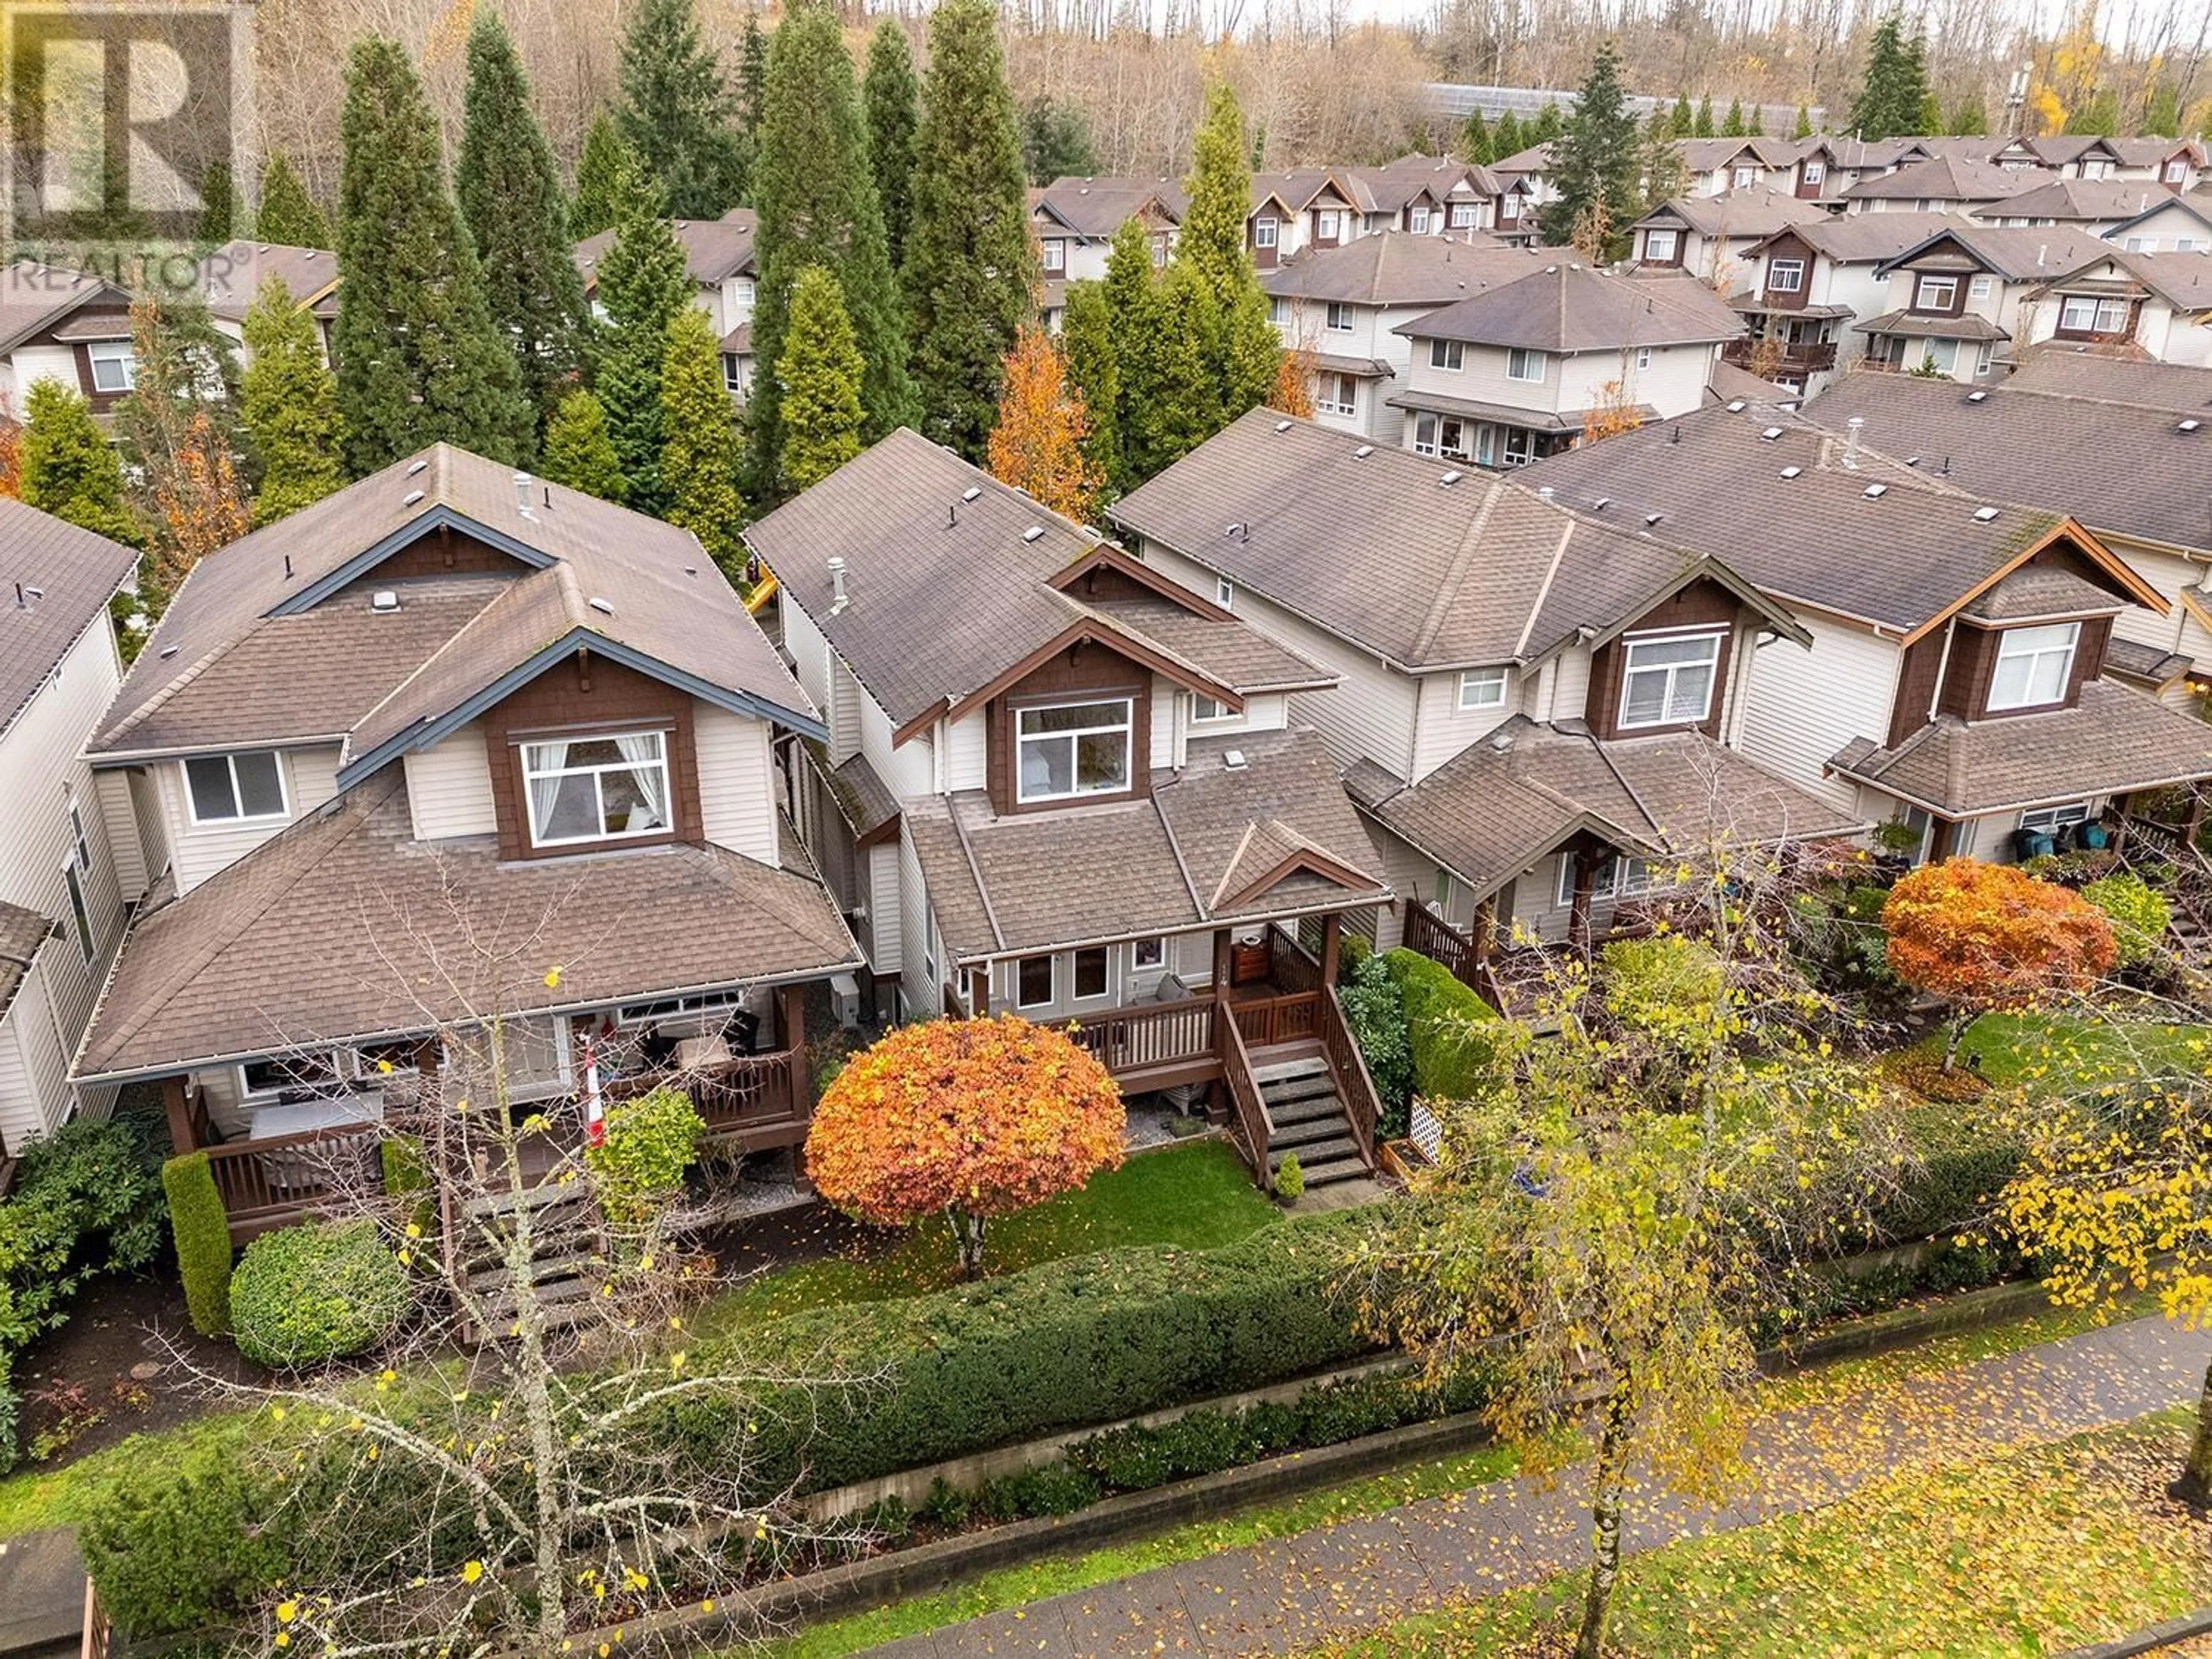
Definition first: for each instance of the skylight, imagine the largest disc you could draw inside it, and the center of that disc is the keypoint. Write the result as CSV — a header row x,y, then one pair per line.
x,y
1983,515
1875,492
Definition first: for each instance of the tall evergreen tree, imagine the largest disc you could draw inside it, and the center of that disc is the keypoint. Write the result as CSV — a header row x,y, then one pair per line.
x,y
1055,141
288,404
604,168
1665,176
1126,298
1754,122
218,205
578,451
1733,126
1969,119
752,90
820,370
418,357
1245,350
1550,122
1803,130
892,101
818,206
2161,111
675,112
1683,124
1170,390
645,284
1704,127
968,270
70,469
1087,336
699,464
288,215
1596,172
1474,141
1506,140
1895,87
511,200
2097,116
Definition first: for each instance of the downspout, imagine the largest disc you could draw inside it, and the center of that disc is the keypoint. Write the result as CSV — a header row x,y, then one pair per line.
x,y
1942,668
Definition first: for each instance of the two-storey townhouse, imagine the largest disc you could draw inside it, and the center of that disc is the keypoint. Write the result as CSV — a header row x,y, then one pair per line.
x,y
1958,681
2091,204
448,748
719,255
1829,164
66,326
1965,293
1806,284
2174,163
2156,304
231,279
1524,184
1514,371
1718,167
2175,224
2087,437
1074,219
1534,704
1056,784
1434,195
62,897
1942,184
1342,306
1710,236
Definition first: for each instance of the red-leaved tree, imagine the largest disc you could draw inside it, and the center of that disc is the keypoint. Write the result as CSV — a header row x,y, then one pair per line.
x,y
969,1118
1988,936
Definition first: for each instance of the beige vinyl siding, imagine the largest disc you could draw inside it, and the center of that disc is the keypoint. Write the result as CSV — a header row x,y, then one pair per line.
x,y
146,813
202,850
1442,728
737,782
906,768
1411,875
30,364
1805,705
966,752
449,787
886,910
119,816
1170,710
810,654
2169,573
18,1102
924,998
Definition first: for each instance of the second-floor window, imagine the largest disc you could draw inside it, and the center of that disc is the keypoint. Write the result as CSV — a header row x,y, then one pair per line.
x,y
228,788
2084,313
115,365
1785,276
2034,664
1279,310
733,377
1071,749
1814,173
80,912
1265,232
1935,294
1337,394
1447,354
1659,244
1746,177
746,292
1205,711
1326,226
1668,682
1978,289
1524,365
588,789
1338,318
1056,253
1417,221
1462,216
1482,688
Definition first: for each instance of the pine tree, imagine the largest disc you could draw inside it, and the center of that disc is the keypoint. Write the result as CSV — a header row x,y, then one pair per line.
x,y
752,89
1549,124
1969,119
1705,129
1245,351
818,206
1474,139
511,200
1665,176
288,404
893,104
1733,126
1803,130
603,169
1893,96
674,112
1505,138
1596,160
1683,124
1055,141
1170,387
1917,96
1126,300
1754,123
820,370
578,451
70,469
645,284
418,358
2161,111
2097,116
699,465
218,205
1087,338
288,216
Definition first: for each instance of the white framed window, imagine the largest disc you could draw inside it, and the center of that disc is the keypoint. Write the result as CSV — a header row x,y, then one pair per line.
x,y
1327,225
1065,750
1336,394
2034,664
1520,446
2096,168
533,1052
1524,365
1508,206
1616,878
264,1080
602,788
1462,216
2177,171
232,788
1279,310
1338,318
1447,354
1644,356
80,843
1935,294
115,365
1785,276
1668,682
1266,231
1056,253
733,379
1148,953
2186,243
2051,819
1224,593
1978,289
1943,354
1985,358
1745,177
1482,688
1033,981
929,957
1659,246
1209,711
80,912
746,292
1417,221
1814,173
2139,244
2086,313
1091,974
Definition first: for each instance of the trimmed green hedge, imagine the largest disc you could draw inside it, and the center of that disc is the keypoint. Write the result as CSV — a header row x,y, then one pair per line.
x,y
202,1230
1443,1022
314,1293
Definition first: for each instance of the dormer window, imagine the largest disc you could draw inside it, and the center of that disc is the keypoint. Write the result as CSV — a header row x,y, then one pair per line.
x,y
1659,246
2034,665
1785,276
233,788
1935,294
1069,750
597,788
1668,682
2086,313
1417,221
1814,173
1266,231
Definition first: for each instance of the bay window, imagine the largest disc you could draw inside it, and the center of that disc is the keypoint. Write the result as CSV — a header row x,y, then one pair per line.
x,y
1668,682
2034,664
231,788
1067,750
1337,394
598,788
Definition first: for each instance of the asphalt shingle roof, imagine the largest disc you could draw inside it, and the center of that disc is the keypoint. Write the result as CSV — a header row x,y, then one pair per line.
x,y
231,276
1397,268
713,248
75,574
1568,306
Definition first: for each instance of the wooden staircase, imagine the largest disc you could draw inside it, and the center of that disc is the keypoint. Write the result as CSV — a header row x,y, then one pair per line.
x,y
566,1265
1306,1115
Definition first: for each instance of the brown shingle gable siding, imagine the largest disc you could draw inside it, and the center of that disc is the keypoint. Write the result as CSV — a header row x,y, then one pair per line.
x,y
1703,606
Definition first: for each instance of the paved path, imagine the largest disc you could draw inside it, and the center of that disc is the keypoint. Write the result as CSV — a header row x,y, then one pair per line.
x,y
1340,1580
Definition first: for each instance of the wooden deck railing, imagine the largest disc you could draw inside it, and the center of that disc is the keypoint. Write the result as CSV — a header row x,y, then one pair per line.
x,y
1262,1022
1253,1121
1290,966
1363,1107
1152,1036
745,1092
1431,936
266,1184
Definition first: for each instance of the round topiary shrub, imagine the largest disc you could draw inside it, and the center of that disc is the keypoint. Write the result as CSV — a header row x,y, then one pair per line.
x,y
314,1292
2138,912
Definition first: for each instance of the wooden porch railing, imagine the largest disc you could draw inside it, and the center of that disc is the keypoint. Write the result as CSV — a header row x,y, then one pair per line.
x,y
1363,1107
1290,966
746,1092
1253,1121
1431,936
98,1632
266,1184
1150,1037
1262,1022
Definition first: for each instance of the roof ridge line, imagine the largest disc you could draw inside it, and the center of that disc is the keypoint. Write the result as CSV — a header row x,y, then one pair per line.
x,y
974,872
1236,857
1658,830
1463,557
1182,866
1544,589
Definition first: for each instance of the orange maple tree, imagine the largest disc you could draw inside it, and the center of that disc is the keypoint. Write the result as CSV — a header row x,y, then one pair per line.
x,y
972,1118
1292,392
1988,936
1038,443
201,502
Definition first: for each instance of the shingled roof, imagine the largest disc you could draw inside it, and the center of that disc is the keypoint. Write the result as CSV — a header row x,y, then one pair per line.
x,y
2184,390
1944,179
713,248
1758,211
55,582
1397,268
2081,199
231,277
34,297
1568,306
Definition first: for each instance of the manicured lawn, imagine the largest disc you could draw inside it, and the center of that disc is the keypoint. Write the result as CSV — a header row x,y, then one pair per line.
x,y
2013,1047
2027,1551
1196,1196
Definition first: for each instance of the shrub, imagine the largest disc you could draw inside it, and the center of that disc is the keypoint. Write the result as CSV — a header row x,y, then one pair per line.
x,y
2138,913
175,1543
201,1228
1055,1489
1376,1015
11,1417
1290,1179
1353,952
1960,1165
1444,1023
638,1167
306,1294
1657,983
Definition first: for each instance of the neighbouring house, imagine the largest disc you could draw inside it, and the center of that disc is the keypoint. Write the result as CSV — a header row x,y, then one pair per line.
x,y
63,895
719,254
2118,300
1806,284
2175,163
451,747
1055,783
1948,184
1717,167
1422,196
1524,184
1711,236
66,326
2091,437
1959,683
1966,295
2091,204
1343,307
2177,224
1073,220
1534,704
1518,370
232,276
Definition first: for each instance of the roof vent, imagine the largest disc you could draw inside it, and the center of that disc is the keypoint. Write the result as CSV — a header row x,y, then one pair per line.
x,y
1544,494
1770,434
1601,503
1976,396
522,494
1852,428
1363,452
384,601
1282,426
166,652
417,467
2189,426
604,607
838,598
1033,533
1875,492
1650,519
1735,406
971,492
1451,477
1792,472
1983,515
410,498
1233,759
1912,460
1235,528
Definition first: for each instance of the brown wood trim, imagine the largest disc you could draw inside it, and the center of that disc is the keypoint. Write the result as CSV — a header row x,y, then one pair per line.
x,y
2068,529
1084,633
1308,861
1108,556
1069,683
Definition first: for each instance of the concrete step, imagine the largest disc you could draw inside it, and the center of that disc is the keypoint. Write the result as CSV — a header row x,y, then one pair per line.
x,y
1317,1153
41,1595
1282,1070
1318,1103
1297,1137
1332,1170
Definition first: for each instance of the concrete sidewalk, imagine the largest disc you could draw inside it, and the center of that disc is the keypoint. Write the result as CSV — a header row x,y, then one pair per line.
x,y
1340,1580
